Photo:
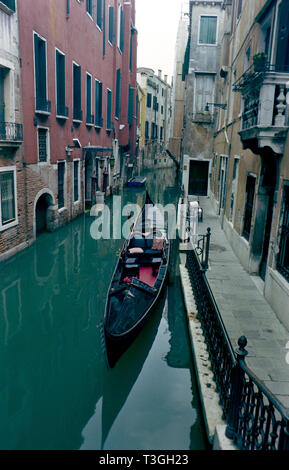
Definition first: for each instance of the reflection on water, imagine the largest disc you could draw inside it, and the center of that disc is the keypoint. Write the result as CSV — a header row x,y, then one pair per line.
x,y
55,389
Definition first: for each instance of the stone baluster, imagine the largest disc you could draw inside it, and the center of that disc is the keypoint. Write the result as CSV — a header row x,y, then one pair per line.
x,y
281,106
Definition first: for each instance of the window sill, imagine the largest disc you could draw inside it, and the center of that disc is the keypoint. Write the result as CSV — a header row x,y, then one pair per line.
x,y
60,116
44,113
62,209
77,121
89,124
8,225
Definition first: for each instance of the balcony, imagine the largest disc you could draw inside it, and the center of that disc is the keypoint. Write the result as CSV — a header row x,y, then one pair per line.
x,y
11,134
265,120
90,120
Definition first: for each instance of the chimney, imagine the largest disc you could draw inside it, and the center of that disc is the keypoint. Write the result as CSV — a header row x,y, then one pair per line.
x,y
160,74
166,78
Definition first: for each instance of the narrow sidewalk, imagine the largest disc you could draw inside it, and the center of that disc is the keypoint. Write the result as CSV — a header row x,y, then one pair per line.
x,y
245,311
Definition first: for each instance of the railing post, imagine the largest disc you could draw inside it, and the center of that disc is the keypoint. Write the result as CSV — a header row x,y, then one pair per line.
x,y
237,383
208,237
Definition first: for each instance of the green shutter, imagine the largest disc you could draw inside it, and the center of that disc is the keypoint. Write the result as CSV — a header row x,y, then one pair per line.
x,y
130,104
60,83
108,110
121,29
111,33
118,94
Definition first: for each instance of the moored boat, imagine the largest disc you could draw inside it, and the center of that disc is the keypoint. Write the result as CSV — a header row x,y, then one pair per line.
x,y
137,282
136,182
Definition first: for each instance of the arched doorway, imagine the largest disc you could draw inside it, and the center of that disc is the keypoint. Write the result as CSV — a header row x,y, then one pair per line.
x,y
41,212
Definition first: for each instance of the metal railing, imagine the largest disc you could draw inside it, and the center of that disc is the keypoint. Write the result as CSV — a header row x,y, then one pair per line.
x,y
256,420
11,132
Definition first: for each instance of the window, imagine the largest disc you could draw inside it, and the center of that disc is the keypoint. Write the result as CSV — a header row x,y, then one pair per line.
x,y
89,7
42,144
76,180
98,104
9,4
120,37
61,109
149,100
208,30
108,110
131,49
99,13
239,10
118,94
248,213
283,256
7,198
89,116
130,104
155,104
77,112
137,110
204,93
40,69
162,133
111,29
162,109
61,174
147,130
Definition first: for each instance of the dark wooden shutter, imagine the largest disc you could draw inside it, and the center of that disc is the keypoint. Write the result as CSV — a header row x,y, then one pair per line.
x,y
118,93
282,57
111,31
121,29
130,104
60,79
108,110
40,72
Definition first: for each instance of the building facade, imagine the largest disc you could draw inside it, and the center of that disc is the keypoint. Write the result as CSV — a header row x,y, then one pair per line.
x,y
78,67
250,175
156,118
12,181
201,66
178,90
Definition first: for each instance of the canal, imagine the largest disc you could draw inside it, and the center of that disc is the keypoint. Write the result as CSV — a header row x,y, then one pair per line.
x,y
55,389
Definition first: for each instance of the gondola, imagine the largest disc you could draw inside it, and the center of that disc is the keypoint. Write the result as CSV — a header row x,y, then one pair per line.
x,y
137,282
136,182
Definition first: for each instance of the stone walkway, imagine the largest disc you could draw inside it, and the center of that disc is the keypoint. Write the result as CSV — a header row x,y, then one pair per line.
x,y
245,311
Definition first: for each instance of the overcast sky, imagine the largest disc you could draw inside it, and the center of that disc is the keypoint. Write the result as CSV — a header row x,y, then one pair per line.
x,y
157,23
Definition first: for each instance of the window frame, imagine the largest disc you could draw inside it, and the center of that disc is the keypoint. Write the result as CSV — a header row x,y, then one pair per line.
x,y
62,208
14,222
59,115
47,161
38,110
99,3
108,93
76,201
89,122
73,104
99,123
203,15
111,32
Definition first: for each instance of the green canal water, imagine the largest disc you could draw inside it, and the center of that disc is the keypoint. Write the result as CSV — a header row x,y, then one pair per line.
x,y
55,389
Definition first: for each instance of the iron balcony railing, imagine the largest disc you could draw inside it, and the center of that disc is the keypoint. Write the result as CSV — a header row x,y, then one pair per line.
x,y
11,132
256,420
43,106
62,111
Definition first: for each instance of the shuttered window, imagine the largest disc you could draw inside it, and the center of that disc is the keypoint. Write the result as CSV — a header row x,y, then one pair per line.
x,y
149,100
248,213
111,27
89,7
120,28
108,110
89,116
61,109
61,173
118,93
282,56
98,104
40,74
283,256
77,112
76,180
7,196
204,92
99,13
208,30
130,104
147,130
